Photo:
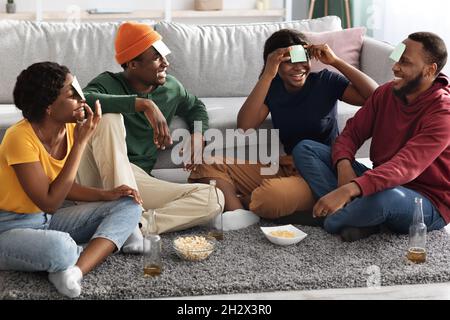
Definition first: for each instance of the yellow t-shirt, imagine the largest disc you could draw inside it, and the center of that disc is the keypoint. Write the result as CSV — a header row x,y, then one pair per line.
x,y
21,145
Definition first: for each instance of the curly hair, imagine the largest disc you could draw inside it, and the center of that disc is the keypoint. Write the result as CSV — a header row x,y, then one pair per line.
x,y
37,87
281,39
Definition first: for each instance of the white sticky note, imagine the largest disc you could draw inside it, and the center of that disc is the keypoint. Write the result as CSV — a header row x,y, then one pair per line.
x,y
398,52
77,87
161,48
298,54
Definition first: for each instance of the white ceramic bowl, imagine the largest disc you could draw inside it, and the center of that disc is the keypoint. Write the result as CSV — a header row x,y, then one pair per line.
x,y
289,229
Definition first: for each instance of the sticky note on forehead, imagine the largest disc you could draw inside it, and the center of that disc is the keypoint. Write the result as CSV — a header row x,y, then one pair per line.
x,y
76,86
161,48
298,54
398,52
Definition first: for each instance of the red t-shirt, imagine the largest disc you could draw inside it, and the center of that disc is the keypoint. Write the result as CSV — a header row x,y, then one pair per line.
x,y
410,143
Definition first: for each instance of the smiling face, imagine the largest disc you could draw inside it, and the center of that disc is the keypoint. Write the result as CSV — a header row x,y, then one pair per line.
x,y
294,74
149,68
412,72
68,106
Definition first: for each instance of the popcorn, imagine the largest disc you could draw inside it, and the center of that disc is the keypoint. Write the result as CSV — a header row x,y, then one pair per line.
x,y
195,248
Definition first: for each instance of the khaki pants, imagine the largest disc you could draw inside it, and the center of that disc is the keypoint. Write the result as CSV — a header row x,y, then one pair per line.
x,y
105,165
271,196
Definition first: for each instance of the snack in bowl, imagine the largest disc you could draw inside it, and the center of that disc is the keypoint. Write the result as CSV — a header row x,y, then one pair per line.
x,y
193,248
283,235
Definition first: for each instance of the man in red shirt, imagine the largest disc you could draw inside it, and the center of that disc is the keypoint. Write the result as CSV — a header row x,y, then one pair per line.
x,y
408,120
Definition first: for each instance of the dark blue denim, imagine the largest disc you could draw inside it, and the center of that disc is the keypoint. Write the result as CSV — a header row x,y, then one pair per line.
x,y
392,207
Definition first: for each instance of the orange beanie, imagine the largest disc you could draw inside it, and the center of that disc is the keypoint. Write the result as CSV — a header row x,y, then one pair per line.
x,y
132,39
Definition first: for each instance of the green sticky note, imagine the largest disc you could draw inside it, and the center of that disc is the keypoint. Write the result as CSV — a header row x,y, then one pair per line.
x,y
298,54
398,52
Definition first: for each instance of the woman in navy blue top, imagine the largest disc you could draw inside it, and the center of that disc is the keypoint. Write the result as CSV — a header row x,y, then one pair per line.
x,y
302,105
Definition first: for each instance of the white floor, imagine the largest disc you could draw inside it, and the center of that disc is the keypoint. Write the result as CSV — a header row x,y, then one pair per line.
x,y
433,291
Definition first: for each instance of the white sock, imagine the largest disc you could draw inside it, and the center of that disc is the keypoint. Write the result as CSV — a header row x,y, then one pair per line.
x,y
236,219
134,243
67,282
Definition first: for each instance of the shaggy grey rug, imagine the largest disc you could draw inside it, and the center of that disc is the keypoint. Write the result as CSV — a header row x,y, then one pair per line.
x,y
247,262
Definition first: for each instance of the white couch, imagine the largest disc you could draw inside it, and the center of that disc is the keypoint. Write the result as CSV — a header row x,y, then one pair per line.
x,y
218,63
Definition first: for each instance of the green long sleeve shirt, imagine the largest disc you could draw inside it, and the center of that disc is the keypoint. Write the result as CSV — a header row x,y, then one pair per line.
x,y
117,96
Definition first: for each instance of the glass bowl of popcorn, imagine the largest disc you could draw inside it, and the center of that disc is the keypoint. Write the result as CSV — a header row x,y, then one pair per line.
x,y
193,248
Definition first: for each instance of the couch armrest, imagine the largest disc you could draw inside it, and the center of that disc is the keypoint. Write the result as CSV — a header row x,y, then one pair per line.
x,y
375,60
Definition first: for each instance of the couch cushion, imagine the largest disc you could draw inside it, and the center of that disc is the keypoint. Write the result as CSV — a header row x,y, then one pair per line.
x,y
225,60
9,115
223,112
346,44
345,112
375,60
87,49
223,115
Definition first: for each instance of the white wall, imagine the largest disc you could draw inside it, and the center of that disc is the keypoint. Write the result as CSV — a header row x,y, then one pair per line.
x,y
393,21
300,9
135,5
62,5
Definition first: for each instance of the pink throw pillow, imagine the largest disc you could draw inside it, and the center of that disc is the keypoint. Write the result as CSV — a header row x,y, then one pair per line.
x,y
345,43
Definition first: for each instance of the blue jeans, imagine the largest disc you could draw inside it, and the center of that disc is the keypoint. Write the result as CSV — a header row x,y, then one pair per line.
x,y
392,207
44,242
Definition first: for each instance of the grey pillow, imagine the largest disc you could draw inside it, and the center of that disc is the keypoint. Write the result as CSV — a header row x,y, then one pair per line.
x,y
86,48
225,60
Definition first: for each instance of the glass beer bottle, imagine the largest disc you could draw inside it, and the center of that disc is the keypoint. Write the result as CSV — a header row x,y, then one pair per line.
x,y
152,248
417,235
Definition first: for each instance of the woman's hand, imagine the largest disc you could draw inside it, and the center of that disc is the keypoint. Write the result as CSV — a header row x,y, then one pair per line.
x,y
274,59
84,130
323,53
122,191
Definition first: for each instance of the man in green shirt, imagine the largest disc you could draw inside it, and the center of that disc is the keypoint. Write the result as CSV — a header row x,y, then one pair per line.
x,y
138,104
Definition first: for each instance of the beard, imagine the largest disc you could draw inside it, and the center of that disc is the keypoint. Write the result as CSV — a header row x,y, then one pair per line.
x,y
408,88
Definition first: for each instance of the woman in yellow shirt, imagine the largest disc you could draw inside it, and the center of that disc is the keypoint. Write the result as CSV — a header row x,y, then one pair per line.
x,y
39,158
